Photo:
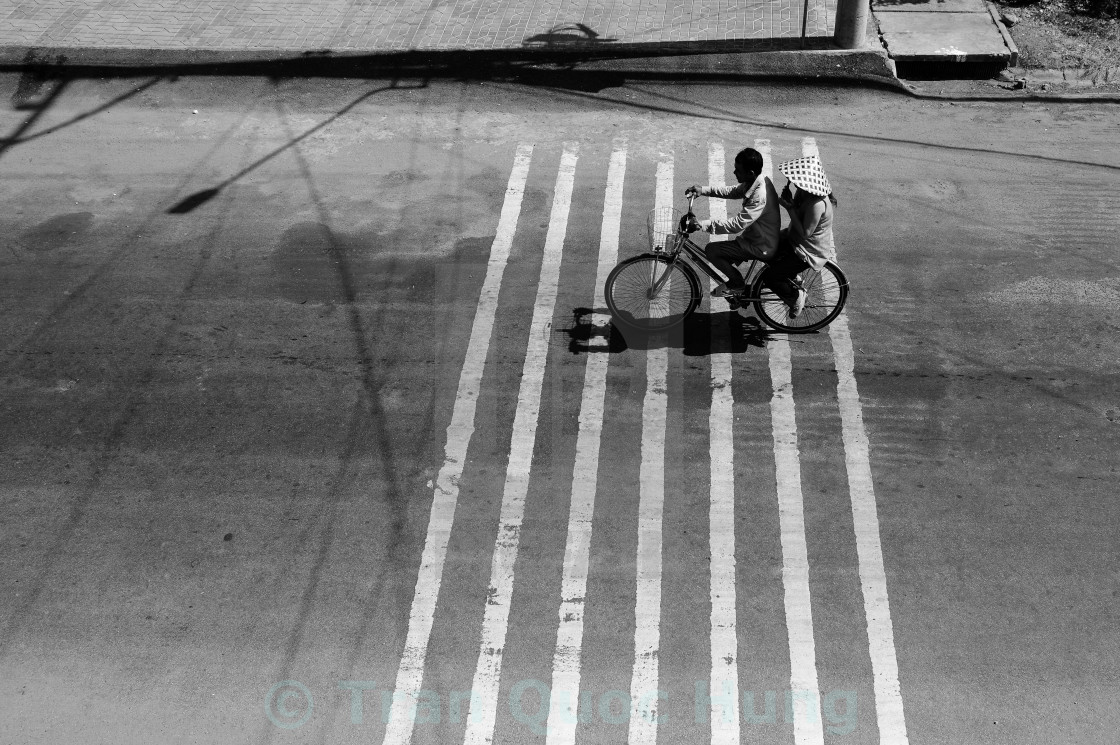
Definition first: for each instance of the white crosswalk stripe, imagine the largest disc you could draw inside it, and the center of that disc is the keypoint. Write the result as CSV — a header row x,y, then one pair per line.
x,y
647,608
562,716
411,673
807,726
724,684
865,513
648,673
480,725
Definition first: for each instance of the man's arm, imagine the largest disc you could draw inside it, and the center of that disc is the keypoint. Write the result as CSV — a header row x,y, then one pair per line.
x,y
732,191
754,203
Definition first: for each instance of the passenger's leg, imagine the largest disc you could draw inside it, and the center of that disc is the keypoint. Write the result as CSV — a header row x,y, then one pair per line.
x,y
780,273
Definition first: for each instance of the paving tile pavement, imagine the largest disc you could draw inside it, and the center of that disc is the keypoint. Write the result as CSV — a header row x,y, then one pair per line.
x,y
400,25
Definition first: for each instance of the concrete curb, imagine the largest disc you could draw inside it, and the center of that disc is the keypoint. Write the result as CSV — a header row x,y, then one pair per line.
x,y
152,57
925,90
683,61
686,60
861,65
1005,34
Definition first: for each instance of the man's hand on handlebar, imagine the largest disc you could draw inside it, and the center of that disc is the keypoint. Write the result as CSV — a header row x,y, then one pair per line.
x,y
690,224
692,191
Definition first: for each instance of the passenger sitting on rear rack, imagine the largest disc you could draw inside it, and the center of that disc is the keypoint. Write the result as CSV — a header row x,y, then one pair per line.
x,y
807,242
755,228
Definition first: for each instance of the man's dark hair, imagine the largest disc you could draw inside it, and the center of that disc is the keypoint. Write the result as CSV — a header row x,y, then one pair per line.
x,y
750,159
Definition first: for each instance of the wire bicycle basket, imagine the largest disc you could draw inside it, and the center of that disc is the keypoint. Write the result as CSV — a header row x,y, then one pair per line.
x,y
662,228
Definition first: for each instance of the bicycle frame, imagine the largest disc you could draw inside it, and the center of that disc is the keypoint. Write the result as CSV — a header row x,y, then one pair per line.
x,y
694,255
642,294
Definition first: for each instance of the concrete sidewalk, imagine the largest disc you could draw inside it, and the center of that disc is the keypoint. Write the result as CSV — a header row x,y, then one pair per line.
x,y
380,26
765,38
944,31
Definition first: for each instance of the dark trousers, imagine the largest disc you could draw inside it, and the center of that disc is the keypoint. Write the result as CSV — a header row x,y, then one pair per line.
x,y
724,255
780,272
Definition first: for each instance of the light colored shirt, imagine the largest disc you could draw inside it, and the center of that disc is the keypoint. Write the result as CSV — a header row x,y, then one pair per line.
x,y
813,243
759,220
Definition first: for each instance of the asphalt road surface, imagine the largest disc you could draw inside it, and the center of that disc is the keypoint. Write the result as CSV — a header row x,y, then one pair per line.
x,y
314,428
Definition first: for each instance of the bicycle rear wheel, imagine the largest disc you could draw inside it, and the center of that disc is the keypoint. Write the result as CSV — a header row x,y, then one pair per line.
x,y
629,293
826,292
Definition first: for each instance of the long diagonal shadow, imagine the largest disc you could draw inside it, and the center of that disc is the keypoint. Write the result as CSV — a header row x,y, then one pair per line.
x,y
367,420
78,293
200,198
16,139
696,109
132,398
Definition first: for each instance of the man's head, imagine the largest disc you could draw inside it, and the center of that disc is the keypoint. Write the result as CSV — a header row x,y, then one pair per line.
x,y
748,165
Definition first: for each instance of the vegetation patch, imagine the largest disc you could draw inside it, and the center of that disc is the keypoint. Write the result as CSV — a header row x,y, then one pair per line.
x,y
1080,38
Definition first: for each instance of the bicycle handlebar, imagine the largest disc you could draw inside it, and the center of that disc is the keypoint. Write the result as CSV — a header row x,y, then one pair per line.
x,y
688,216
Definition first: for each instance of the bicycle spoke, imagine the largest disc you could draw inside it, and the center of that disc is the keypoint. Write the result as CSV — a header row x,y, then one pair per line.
x,y
630,287
825,295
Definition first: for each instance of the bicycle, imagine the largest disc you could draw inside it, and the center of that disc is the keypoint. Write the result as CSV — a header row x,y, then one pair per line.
x,y
656,291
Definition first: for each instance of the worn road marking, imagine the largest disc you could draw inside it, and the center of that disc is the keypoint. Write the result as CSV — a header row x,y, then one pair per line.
x,y
724,685
410,674
563,705
807,727
651,501
487,676
872,571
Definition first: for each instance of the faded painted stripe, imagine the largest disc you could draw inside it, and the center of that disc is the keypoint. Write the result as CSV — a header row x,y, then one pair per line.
x,y
647,610
411,671
872,572
807,726
865,513
563,705
724,686
487,676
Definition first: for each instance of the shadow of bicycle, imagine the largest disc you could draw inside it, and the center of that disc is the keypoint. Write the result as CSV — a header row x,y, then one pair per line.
x,y
700,335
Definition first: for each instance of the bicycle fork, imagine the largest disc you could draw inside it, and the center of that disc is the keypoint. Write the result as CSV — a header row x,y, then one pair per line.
x,y
658,283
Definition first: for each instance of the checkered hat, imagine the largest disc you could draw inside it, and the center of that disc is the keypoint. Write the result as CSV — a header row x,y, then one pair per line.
x,y
807,174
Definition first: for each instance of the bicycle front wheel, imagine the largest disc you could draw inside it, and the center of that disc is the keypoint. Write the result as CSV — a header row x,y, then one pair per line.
x,y
641,296
826,292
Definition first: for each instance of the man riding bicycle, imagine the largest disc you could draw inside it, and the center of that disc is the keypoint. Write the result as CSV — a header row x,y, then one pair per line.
x,y
807,243
799,288
756,226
